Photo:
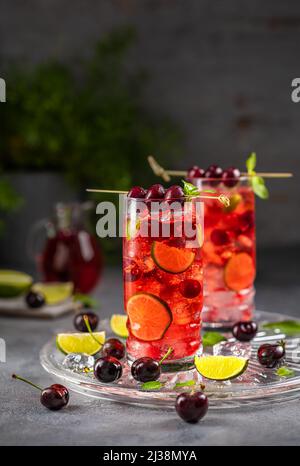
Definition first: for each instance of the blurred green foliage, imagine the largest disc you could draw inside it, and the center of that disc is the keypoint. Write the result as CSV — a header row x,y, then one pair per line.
x,y
93,128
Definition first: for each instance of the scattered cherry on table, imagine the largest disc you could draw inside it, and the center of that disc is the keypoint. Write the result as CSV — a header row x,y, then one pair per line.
x,y
191,407
54,397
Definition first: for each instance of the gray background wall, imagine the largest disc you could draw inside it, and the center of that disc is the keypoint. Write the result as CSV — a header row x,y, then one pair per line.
x,y
222,69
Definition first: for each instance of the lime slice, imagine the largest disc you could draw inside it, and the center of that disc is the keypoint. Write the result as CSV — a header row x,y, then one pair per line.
x,y
80,342
118,325
235,199
54,293
13,283
220,367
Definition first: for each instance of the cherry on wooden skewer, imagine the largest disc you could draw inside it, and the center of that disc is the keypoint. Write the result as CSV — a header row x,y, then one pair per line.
x,y
54,397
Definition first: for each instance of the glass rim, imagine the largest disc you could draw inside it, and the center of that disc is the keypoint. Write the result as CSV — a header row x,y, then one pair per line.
x,y
241,178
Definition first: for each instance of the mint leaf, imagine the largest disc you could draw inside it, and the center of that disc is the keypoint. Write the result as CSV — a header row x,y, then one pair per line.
x,y
259,187
86,300
154,385
251,163
212,338
190,189
285,372
187,383
288,327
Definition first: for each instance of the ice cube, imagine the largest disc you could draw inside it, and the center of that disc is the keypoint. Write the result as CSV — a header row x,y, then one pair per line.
x,y
233,348
79,362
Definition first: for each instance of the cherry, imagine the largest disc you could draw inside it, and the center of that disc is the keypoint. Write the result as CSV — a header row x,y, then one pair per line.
x,y
113,347
107,369
246,221
35,300
195,172
137,192
174,192
54,397
214,172
155,192
145,369
231,177
219,237
269,354
244,331
191,407
80,324
190,288
148,369
131,271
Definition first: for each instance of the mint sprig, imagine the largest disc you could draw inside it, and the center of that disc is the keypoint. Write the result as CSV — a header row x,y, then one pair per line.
x,y
86,300
187,383
285,372
153,385
288,327
257,182
212,338
190,190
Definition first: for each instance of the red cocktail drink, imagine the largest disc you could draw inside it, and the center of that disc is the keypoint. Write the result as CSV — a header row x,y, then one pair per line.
x,y
163,279
228,253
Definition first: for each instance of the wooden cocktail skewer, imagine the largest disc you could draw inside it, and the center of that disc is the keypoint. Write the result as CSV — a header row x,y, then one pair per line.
x,y
221,198
166,174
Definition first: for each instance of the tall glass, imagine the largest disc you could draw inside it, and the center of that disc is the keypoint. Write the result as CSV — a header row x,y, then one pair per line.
x,y
229,254
163,279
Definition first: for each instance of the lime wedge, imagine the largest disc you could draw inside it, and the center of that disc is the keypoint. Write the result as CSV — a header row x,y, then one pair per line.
x,y
80,342
220,367
118,325
54,293
13,283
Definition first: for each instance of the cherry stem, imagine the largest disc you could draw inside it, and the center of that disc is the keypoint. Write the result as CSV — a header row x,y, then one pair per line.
x,y
14,376
170,350
87,323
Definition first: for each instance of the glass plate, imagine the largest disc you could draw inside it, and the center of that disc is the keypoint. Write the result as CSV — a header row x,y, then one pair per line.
x,y
257,385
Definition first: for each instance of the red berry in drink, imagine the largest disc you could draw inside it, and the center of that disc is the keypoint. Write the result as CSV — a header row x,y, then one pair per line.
x,y
195,172
107,369
231,177
214,172
190,288
54,397
191,407
113,347
35,300
145,369
132,272
155,192
137,192
244,331
219,237
246,221
174,192
269,354
80,324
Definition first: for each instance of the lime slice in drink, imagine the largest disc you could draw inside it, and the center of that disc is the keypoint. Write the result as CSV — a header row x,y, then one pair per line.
x,y
80,342
13,283
54,293
220,367
171,259
118,325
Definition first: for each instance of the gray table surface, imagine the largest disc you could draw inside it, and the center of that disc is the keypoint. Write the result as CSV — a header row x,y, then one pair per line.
x,y
86,421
